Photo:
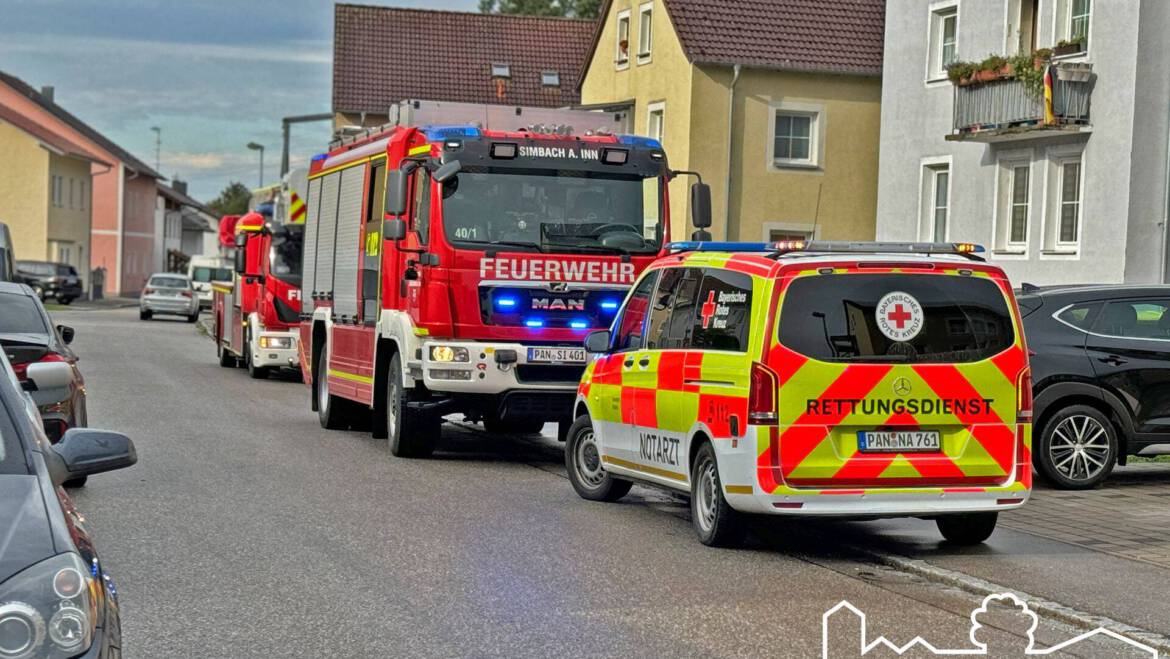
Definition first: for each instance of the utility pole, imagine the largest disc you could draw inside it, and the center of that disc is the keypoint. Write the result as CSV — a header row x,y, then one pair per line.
x,y
284,125
157,148
259,147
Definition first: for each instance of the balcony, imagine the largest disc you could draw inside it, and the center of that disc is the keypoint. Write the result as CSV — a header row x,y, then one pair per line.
x,y
1005,109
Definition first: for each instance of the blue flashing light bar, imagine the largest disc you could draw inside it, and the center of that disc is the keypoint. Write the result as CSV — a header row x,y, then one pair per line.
x,y
638,140
506,302
579,324
440,133
834,246
610,304
319,156
534,322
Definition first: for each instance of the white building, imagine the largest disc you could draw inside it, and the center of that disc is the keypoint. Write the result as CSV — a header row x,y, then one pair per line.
x,y
1081,197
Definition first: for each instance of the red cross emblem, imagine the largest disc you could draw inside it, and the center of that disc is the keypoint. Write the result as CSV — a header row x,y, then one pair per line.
x,y
707,312
899,316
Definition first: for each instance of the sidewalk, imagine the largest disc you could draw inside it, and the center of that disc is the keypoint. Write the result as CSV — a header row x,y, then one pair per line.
x,y
91,305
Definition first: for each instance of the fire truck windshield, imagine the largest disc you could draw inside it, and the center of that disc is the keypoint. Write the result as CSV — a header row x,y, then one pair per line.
x,y
286,255
553,210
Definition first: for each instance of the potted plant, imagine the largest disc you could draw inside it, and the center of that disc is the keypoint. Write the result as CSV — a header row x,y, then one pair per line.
x,y
1069,47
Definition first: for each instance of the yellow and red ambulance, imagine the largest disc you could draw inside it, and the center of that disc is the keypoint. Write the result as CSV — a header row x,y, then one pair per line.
x,y
813,378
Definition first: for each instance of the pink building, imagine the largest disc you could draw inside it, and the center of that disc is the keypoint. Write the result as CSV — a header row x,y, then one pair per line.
x,y
122,239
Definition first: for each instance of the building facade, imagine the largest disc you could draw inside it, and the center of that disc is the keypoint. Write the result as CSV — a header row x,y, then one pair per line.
x,y
778,114
122,194
1072,193
45,188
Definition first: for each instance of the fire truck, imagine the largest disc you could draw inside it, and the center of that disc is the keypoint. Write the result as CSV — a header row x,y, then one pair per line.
x,y
257,313
458,268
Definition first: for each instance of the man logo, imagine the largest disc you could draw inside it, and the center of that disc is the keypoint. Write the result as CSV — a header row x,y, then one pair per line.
x,y
902,386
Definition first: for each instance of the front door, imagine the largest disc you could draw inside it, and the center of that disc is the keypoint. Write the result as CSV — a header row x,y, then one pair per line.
x,y
624,387
1129,347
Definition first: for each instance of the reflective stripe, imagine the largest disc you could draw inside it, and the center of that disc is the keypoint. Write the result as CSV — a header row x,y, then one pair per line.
x,y
633,466
351,377
416,150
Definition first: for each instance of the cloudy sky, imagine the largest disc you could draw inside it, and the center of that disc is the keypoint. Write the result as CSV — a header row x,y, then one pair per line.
x,y
212,74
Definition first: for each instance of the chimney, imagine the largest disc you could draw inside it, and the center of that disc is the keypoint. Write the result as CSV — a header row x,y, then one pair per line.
x,y
179,186
47,93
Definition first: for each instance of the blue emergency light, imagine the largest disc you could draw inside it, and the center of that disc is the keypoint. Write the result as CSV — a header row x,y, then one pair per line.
x,y
506,302
610,304
831,246
639,141
579,324
440,133
534,322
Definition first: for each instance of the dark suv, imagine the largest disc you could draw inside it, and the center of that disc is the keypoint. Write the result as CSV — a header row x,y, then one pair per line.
x,y
51,280
1101,377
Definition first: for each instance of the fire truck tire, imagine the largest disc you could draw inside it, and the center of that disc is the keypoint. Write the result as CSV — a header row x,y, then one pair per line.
x,y
330,408
716,522
583,462
967,529
225,358
144,314
497,426
255,372
412,433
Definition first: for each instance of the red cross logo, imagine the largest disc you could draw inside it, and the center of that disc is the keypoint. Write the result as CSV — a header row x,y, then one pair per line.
x,y
899,316
708,310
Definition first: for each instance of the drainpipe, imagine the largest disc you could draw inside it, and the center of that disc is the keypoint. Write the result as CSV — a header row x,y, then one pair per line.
x,y
1166,207
728,234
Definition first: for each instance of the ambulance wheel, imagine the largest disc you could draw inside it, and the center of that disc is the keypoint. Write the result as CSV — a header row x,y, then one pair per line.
x,y
412,433
583,462
497,426
967,529
717,523
143,314
329,407
225,358
1077,448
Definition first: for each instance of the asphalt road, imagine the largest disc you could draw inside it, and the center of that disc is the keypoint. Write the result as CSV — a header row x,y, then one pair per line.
x,y
248,530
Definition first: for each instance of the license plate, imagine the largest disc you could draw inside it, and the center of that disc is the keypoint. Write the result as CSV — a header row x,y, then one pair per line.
x,y
556,355
899,441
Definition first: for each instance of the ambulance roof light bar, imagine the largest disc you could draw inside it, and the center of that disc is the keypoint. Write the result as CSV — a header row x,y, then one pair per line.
x,y
968,250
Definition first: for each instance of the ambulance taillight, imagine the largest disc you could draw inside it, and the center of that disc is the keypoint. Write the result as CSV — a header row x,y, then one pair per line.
x,y
762,396
1024,396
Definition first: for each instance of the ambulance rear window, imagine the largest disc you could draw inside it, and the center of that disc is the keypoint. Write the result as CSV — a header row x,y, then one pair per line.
x,y
895,318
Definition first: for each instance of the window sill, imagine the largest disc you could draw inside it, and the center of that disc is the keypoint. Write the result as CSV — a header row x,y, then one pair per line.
x,y
785,164
1009,251
643,59
621,65
1060,252
937,80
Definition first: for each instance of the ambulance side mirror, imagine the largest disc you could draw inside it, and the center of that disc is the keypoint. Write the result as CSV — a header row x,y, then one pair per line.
x,y
597,342
701,205
396,192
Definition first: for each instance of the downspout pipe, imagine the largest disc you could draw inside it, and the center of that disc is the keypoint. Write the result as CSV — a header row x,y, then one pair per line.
x,y
728,233
1166,209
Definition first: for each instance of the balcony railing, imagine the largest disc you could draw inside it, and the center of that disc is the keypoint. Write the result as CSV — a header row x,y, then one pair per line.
x,y
1006,109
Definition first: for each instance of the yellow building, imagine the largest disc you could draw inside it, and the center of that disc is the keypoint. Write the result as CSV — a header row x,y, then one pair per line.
x,y
45,193
798,149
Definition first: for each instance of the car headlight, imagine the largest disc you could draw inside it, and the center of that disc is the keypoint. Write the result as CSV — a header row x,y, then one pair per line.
x,y
276,342
48,610
449,354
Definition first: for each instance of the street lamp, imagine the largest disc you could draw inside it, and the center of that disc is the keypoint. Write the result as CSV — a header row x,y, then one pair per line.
x,y
259,147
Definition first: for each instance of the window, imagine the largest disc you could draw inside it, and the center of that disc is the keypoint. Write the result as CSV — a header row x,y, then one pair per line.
x,y
622,56
645,31
660,309
944,43
422,205
550,79
723,308
1137,319
1070,201
834,318
1072,21
83,195
795,136
936,201
1018,218
1080,316
1014,204
1063,207
655,120
674,307
780,235
55,190
64,254
72,182
501,71
632,320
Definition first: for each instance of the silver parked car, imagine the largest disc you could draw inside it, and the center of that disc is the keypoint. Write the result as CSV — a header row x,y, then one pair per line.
x,y
169,293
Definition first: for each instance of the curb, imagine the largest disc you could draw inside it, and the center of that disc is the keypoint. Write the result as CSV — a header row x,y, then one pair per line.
x,y
1043,607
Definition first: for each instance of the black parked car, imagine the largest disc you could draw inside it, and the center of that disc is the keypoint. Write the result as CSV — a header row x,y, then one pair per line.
x,y
58,281
1101,374
56,601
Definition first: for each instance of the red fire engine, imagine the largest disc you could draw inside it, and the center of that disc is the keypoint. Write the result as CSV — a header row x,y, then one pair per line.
x,y
256,314
454,269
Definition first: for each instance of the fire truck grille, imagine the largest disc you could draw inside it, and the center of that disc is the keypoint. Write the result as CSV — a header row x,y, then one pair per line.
x,y
538,307
520,404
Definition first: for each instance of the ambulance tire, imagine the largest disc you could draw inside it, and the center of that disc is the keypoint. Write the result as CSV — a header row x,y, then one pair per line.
x,y
967,529
412,433
583,462
715,521
330,409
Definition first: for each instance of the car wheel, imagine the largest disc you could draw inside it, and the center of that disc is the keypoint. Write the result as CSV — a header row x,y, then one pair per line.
x,y
329,407
412,433
1077,448
193,318
225,358
587,474
144,314
80,481
497,426
716,522
65,300
967,529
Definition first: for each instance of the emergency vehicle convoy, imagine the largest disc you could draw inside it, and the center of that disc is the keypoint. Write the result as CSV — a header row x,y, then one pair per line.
x,y
257,313
820,378
457,269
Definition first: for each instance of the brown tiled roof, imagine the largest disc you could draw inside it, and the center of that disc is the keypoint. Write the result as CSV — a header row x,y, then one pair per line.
x,y
824,36
46,136
384,55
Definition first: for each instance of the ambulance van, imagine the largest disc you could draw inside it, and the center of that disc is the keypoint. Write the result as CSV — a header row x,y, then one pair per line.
x,y
821,378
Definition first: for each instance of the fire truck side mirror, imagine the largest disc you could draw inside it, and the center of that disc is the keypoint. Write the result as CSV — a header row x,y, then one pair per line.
x,y
701,205
446,171
241,259
393,229
396,192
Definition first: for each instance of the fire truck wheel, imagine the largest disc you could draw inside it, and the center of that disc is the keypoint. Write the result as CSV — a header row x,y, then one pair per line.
x,y
225,358
412,433
583,462
717,523
330,409
967,529
497,426
255,372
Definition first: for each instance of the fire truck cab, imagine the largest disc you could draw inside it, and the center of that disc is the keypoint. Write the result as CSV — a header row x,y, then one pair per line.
x,y
454,269
256,315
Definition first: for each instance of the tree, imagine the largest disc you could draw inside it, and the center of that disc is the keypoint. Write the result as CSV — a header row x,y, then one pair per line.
x,y
574,8
233,200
